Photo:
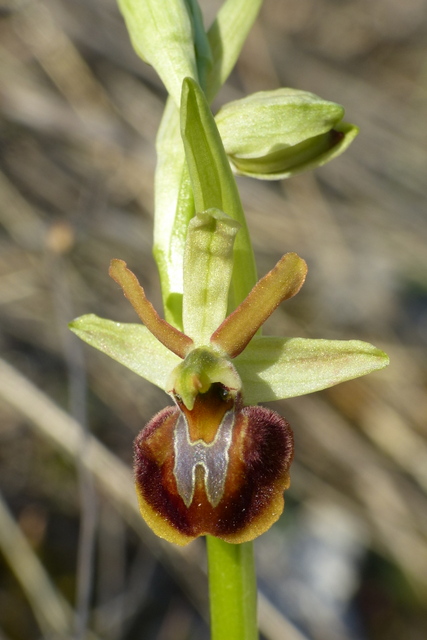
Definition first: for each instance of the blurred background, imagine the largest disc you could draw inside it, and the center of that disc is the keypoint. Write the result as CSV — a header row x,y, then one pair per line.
x,y
78,118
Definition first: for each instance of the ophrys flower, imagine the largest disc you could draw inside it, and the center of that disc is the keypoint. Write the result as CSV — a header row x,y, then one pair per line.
x,y
213,463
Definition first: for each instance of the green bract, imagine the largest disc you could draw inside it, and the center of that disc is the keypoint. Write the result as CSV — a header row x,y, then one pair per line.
x,y
275,134
204,181
212,181
162,34
201,43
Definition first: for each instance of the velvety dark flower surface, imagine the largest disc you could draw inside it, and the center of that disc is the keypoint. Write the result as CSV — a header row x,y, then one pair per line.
x,y
218,469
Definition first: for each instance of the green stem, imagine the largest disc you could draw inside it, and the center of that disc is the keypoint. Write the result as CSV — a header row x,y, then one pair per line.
x,y
233,593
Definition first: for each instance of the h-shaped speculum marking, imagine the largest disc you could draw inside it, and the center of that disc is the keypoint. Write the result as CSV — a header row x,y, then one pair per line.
x,y
212,457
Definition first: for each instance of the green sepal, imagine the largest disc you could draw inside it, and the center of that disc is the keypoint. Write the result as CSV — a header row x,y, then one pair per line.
x,y
213,183
276,368
272,135
130,344
208,265
306,156
162,34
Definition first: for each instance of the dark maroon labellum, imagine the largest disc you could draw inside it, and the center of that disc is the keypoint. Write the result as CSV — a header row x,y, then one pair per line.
x,y
219,469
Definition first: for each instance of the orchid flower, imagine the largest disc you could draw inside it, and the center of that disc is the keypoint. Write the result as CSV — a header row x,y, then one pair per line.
x,y
214,463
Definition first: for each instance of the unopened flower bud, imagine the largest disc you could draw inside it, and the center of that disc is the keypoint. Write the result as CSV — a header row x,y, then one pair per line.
x,y
274,134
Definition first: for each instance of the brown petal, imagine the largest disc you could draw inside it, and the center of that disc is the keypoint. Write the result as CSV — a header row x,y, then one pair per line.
x,y
281,283
172,338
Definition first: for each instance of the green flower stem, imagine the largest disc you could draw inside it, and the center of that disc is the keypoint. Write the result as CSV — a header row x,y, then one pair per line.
x,y
233,592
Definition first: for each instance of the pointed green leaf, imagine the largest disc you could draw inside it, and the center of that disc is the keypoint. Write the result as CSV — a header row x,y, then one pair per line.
x,y
213,183
276,368
162,34
130,344
208,265
227,36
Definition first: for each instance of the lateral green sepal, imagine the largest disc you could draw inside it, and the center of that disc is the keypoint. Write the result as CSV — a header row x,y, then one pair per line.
x,y
276,368
130,344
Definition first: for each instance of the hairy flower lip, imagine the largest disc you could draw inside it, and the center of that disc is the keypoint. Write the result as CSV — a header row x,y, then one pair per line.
x,y
249,487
